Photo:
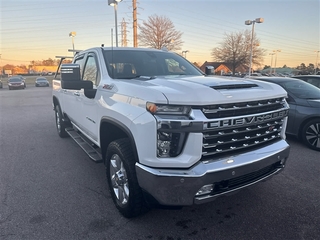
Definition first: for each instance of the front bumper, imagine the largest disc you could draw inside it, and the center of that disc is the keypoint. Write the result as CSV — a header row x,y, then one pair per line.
x,y
17,86
178,187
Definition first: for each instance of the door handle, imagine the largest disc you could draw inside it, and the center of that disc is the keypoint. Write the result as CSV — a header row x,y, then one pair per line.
x,y
76,94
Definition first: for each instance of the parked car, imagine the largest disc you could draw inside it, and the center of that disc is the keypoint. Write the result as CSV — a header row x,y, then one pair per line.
x,y
41,82
16,83
313,79
304,113
23,79
1,83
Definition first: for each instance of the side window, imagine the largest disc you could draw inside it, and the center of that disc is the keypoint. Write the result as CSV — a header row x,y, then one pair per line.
x,y
315,82
91,70
79,61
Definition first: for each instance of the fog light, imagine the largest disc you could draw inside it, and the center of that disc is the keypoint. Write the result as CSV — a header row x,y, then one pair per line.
x,y
206,189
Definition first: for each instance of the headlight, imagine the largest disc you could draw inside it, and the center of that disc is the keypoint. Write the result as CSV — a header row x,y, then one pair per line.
x,y
167,109
170,140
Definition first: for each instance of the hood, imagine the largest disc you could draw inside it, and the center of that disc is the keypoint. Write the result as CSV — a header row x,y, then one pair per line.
x,y
202,90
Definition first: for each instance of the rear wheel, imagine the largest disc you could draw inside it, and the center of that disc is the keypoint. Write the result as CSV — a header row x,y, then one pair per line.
x,y
311,134
60,124
121,175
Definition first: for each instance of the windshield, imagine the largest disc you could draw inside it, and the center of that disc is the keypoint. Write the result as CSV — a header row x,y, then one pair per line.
x,y
301,89
41,80
128,64
17,79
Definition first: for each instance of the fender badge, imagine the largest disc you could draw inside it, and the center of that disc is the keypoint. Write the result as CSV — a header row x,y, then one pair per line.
x,y
107,86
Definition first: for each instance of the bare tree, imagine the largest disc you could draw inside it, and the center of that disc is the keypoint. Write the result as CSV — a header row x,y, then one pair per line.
x,y
236,48
159,32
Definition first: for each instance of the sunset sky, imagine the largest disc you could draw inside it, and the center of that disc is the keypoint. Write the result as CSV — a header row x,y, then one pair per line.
x,y
37,30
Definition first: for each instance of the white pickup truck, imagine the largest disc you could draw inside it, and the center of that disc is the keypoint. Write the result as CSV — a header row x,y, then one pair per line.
x,y
167,133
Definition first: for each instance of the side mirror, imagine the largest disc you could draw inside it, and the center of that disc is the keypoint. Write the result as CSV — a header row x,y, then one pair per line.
x,y
71,78
70,72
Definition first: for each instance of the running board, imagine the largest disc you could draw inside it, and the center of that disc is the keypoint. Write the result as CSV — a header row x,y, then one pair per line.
x,y
91,151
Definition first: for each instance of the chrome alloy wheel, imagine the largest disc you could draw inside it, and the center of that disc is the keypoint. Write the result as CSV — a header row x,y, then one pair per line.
x,y
119,179
58,121
313,135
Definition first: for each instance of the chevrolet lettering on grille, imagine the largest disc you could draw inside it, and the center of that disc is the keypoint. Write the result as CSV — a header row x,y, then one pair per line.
x,y
245,120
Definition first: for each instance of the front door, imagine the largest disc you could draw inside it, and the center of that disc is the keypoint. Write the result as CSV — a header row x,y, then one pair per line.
x,y
88,119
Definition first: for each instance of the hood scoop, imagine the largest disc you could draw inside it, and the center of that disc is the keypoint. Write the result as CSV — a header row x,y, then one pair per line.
x,y
234,86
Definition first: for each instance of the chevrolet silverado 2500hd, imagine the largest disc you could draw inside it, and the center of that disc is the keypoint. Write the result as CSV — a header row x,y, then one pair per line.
x,y
166,132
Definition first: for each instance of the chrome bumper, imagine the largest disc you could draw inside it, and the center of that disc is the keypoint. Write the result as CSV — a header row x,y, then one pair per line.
x,y
179,187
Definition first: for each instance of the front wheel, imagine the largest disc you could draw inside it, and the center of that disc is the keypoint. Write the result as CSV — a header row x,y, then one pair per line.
x,y
121,175
311,134
60,124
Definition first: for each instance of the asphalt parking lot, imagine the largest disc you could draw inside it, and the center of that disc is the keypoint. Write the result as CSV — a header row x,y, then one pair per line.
x,y
50,189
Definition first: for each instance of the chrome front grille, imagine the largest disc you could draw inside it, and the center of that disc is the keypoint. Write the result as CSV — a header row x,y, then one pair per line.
x,y
244,108
259,123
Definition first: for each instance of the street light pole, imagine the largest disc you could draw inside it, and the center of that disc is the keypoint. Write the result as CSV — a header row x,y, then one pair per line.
x,y
114,3
271,61
316,66
249,22
275,62
72,35
185,53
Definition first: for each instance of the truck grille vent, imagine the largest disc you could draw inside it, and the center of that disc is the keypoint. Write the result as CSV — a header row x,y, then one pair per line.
x,y
218,142
244,108
242,132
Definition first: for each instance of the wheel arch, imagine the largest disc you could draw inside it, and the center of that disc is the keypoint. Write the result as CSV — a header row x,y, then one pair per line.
x,y
112,129
55,102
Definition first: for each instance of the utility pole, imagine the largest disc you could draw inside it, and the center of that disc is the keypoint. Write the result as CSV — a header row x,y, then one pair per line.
x,y
135,21
124,33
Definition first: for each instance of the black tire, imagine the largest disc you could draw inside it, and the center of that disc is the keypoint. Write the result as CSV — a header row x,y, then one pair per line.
x,y
123,183
311,134
60,124
9,88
